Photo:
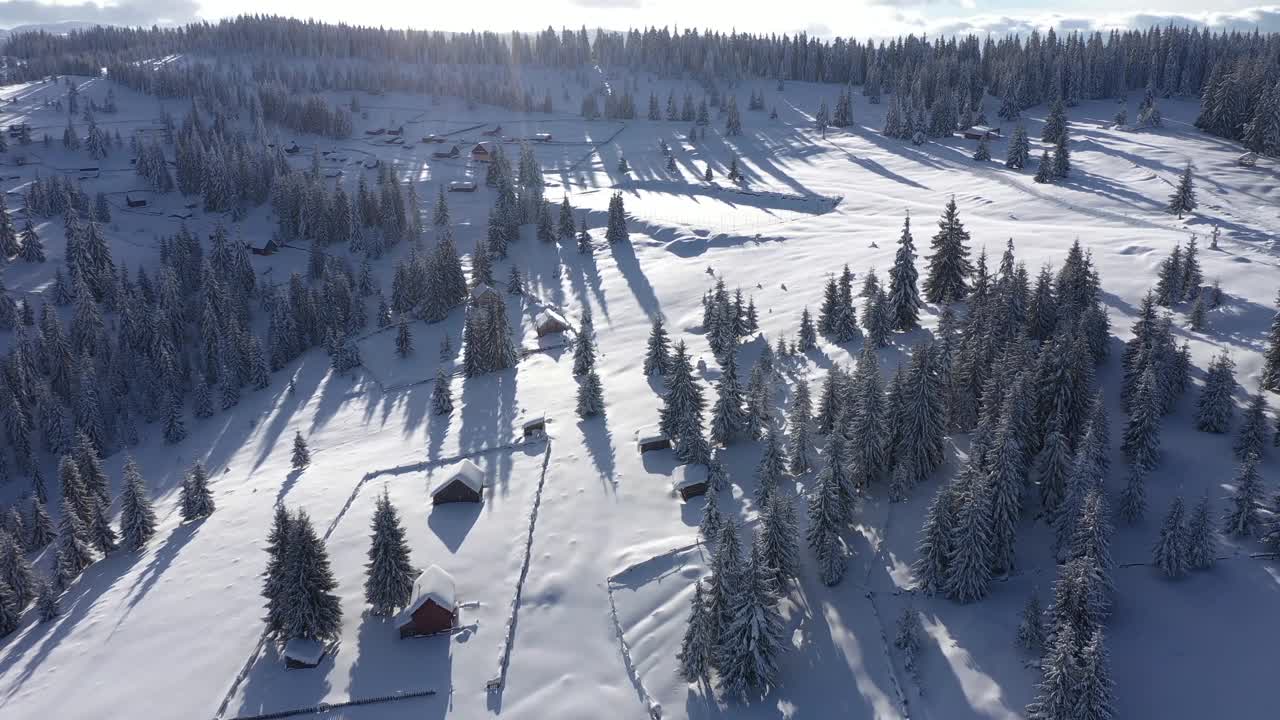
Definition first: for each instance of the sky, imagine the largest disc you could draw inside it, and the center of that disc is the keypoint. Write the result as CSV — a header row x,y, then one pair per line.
x,y
856,18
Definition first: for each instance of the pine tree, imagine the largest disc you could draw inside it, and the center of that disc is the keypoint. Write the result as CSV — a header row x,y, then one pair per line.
x,y
1183,199
389,581
1253,431
1044,169
779,538
949,266
274,575
808,335
442,393
904,297
137,516
1096,692
728,419
175,428
800,447
566,219
1142,434
919,418
1062,157
827,513
590,395
47,604
754,637
1133,498
697,649
932,566
1244,519
311,610
32,249
10,613
40,530
1059,687
73,551
1202,538
712,523
1055,125
15,571
1171,550
983,152
1019,149
584,349
1215,406
301,454
970,563
1271,357
195,501
404,339
1031,627
657,359
616,230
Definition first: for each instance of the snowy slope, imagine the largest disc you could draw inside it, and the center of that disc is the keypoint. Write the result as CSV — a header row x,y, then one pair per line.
x,y
184,616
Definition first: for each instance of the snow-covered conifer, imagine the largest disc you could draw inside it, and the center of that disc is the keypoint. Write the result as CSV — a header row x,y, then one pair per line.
x,y
389,578
442,393
904,297
1170,553
800,444
1133,498
1215,406
1031,635
590,395
949,266
311,610
137,516
616,229
1253,431
697,649
827,514
195,500
1183,199
754,638
404,338
657,359
971,560
779,537
1244,519
1202,537
301,454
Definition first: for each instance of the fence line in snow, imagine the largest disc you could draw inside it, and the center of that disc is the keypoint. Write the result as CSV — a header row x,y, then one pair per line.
x,y
327,707
504,655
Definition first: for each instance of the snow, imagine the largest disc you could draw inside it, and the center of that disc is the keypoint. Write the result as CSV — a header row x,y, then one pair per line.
x,y
432,585
608,537
465,472
687,476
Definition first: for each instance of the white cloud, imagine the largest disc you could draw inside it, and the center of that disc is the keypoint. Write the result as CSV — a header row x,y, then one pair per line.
x,y
1264,18
128,12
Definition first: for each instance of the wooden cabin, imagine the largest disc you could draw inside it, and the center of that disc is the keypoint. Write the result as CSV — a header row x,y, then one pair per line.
x,y
264,246
302,654
434,608
981,132
535,427
550,322
650,439
464,482
134,201
690,481
452,152
462,186
376,131
495,132
483,151
541,137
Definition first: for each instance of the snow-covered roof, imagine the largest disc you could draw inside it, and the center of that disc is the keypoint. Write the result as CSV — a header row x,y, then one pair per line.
x,y
650,434
551,317
433,584
465,471
481,290
304,651
688,475
535,421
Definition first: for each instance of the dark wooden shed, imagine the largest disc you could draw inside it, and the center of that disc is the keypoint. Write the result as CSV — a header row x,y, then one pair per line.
x,y
434,608
464,482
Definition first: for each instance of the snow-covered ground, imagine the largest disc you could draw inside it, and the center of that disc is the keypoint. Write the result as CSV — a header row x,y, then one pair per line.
x,y
169,632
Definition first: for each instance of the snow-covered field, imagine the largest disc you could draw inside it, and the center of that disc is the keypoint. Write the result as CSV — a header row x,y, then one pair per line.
x,y
169,632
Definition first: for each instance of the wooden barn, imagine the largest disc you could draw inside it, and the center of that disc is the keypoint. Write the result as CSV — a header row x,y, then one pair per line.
x,y
464,482
483,151
134,201
452,152
264,245
651,438
301,654
434,608
690,481
534,427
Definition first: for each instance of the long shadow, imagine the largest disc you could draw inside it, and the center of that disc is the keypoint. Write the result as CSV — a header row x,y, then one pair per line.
x,y
599,441
287,485
452,521
161,560
271,687
386,664
624,257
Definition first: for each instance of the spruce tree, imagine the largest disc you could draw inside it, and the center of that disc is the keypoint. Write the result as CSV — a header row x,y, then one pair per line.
x,y
274,575
800,445
1019,149
442,393
907,638
712,522
970,563
47,604
779,538
616,230
10,613
1096,693
73,554
40,530
584,348
1062,157
728,419
1202,538
1253,431
1031,635
1215,406
15,571
1183,199
949,266
390,575
301,455
1142,434
904,297
1044,169
404,338
195,501
932,564
697,649
808,336
1059,687
657,359
1244,519
827,515
1271,356
1170,553
1133,498
590,395
755,635
137,516
311,610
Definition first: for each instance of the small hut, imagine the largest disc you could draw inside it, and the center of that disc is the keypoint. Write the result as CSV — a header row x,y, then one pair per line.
x,y
464,482
300,653
689,481
1249,159
452,152
495,132
651,438
134,201
483,151
462,186
981,132
535,427
434,608
550,322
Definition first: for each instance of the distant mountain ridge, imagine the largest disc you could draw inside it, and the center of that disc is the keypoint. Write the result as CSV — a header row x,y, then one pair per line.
x,y
58,28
